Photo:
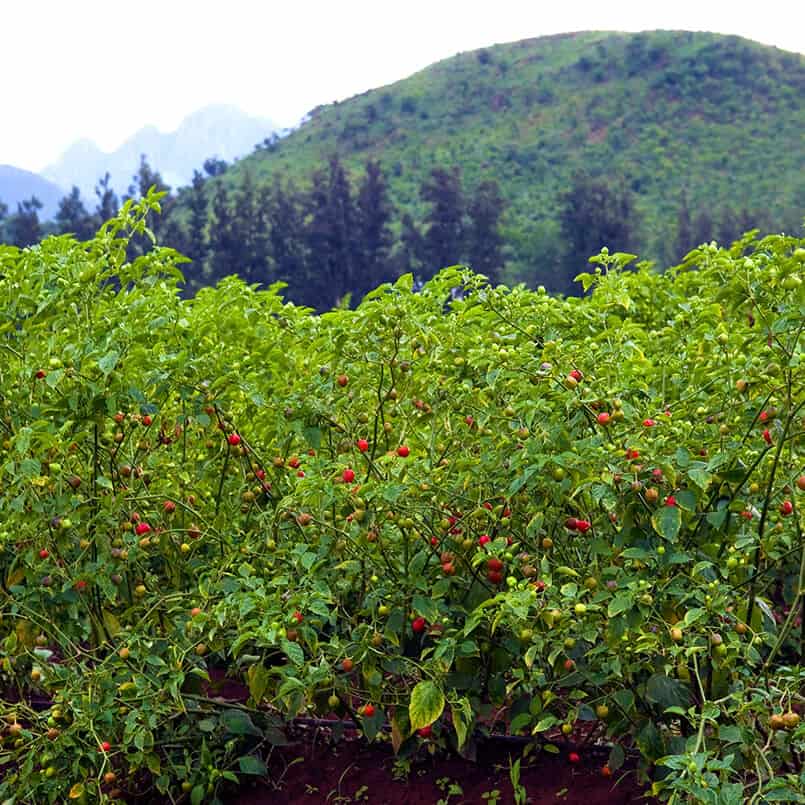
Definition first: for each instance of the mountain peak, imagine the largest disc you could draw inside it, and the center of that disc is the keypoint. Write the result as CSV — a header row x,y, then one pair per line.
x,y
217,130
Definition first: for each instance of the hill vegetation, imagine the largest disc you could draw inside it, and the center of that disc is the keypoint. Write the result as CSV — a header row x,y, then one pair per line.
x,y
696,126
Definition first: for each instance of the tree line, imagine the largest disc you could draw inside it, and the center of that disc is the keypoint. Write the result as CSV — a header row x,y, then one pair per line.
x,y
339,236
331,241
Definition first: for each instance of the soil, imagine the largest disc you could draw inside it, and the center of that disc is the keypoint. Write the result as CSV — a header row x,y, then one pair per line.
x,y
352,771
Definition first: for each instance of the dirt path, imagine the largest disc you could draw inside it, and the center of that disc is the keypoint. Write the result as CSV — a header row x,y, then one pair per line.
x,y
354,772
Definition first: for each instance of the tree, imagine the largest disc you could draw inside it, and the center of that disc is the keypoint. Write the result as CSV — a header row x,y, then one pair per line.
x,y
73,216
684,241
141,183
703,231
107,200
411,249
330,237
249,232
728,227
444,235
595,213
373,237
484,248
199,212
223,246
287,237
215,167
25,227
145,178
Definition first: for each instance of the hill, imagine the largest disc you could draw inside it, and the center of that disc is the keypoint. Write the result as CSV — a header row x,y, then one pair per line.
x,y
18,185
718,118
220,131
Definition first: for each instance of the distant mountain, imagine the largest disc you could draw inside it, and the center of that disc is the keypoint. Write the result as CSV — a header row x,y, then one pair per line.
x,y
220,131
19,185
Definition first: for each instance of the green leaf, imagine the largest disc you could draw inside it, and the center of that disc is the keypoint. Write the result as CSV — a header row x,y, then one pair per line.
x,y
667,521
620,603
293,651
693,615
258,678
519,723
667,692
22,441
425,607
625,698
249,764
616,757
236,722
546,722
730,733
462,720
522,479
700,477
108,362
636,553
426,705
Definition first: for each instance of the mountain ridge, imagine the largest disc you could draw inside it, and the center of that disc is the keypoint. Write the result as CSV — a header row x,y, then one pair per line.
x,y
17,185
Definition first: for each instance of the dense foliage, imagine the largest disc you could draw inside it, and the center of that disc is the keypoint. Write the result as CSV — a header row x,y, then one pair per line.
x,y
455,511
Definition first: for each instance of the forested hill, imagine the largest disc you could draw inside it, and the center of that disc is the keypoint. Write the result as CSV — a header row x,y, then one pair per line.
x,y
520,160
714,122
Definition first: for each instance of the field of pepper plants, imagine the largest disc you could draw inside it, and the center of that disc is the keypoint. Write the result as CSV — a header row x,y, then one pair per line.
x,y
440,515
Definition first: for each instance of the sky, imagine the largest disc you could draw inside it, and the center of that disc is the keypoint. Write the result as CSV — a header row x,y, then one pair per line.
x,y
102,69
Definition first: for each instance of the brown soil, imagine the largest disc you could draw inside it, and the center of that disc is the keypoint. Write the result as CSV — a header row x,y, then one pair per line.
x,y
353,771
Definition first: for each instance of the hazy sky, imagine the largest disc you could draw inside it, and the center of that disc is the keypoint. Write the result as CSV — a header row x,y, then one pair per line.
x,y
104,68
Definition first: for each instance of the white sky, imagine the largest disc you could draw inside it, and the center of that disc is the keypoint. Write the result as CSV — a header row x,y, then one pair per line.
x,y
104,68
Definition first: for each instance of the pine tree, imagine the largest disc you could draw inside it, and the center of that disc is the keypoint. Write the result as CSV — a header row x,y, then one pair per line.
x,y
107,201
25,227
596,213
373,239
287,238
684,230
728,226
246,226
410,253
223,245
3,219
73,216
703,231
484,248
330,237
198,207
444,236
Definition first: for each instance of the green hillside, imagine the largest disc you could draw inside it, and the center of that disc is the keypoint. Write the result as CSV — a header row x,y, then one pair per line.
x,y
719,117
